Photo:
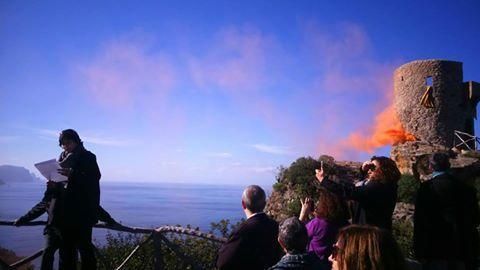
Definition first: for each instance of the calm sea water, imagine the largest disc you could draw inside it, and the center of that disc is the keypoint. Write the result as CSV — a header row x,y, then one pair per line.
x,y
133,204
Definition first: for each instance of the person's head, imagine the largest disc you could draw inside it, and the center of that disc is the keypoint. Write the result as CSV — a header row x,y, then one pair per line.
x,y
330,207
366,248
292,236
69,140
253,199
385,170
439,162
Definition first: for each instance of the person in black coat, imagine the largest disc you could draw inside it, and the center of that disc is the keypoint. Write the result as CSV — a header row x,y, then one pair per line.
x,y
253,245
82,198
53,204
445,220
374,198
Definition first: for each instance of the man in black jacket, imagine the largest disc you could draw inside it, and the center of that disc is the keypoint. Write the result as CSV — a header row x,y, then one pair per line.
x,y
53,204
82,198
254,244
445,220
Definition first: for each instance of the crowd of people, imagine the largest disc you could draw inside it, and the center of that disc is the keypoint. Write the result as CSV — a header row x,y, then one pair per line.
x,y
349,226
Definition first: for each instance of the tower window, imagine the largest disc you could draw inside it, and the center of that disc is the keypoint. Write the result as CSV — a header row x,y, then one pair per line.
x,y
429,81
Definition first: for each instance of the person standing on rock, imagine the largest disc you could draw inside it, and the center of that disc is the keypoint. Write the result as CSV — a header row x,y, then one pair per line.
x,y
445,220
253,245
375,197
82,199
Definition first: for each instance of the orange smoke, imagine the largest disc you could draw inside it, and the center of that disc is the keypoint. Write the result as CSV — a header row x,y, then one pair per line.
x,y
387,130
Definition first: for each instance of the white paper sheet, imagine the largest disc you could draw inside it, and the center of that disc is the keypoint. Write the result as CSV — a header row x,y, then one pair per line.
x,y
49,170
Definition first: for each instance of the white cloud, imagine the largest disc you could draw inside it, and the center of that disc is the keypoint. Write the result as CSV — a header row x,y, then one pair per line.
x,y
272,149
266,169
108,141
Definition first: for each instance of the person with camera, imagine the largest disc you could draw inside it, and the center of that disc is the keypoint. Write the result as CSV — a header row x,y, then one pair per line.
x,y
329,216
375,197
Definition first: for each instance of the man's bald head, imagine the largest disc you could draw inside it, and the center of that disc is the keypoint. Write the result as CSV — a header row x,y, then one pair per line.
x,y
254,198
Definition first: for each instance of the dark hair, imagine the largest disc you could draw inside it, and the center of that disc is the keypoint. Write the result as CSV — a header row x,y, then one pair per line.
x,y
254,198
69,134
440,161
330,206
368,248
388,169
293,235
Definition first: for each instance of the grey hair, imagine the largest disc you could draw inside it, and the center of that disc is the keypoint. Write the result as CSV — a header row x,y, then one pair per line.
x,y
293,235
254,198
440,161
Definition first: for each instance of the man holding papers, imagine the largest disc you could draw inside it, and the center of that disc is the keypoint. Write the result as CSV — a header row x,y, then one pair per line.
x,y
82,199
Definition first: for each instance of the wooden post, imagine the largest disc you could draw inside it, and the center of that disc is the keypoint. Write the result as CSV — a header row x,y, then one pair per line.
x,y
157,244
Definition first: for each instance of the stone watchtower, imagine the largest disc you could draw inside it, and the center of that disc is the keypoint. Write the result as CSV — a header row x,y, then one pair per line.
x,y
432,101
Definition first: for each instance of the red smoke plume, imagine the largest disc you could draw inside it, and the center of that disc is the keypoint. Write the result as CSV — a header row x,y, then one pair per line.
x,y
386,130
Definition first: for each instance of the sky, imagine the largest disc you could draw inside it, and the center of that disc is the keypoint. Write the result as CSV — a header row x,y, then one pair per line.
x,y
219,92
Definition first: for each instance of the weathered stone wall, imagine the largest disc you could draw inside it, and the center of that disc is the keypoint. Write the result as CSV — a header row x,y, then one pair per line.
x,y
450,111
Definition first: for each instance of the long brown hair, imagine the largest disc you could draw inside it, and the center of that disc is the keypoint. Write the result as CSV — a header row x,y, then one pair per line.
x,y
330,207
388,170
368,248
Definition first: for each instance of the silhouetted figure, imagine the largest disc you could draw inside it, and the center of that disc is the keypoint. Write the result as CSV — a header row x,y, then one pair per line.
x,y
253,245
52,203
293,238
82,199
445,220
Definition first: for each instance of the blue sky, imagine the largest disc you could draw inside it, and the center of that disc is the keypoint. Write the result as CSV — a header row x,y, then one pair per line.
x,y
213,91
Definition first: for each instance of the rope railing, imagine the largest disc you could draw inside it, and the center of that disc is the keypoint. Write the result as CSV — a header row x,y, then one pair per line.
x,y
156,234
466,140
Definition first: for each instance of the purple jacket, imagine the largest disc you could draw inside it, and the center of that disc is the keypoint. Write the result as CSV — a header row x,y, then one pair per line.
x,y
322,235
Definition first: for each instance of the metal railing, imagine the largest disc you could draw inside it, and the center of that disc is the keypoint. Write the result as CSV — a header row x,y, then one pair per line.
x,y
466,140
156,235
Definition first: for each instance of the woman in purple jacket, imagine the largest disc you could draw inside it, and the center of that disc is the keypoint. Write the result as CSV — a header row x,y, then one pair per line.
x,y
329,216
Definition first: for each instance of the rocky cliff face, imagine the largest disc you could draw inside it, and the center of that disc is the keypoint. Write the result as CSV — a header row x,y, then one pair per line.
x,y
298,181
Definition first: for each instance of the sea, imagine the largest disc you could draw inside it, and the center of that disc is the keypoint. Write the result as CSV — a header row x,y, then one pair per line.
x,y
147,205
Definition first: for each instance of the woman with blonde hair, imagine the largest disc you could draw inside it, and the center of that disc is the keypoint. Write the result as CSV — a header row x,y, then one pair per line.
x,y
366,248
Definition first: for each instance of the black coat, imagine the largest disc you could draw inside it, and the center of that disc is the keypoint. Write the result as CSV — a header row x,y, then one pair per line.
x,y
52,203
251,246
445,220
82,197
375,201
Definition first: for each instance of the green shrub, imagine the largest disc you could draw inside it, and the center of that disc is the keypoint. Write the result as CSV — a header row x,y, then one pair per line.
x,y
279,187
403,233
407,188
202,251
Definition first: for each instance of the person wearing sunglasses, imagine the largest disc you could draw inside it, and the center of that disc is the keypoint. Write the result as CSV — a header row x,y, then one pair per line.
x,y
375,197
363,247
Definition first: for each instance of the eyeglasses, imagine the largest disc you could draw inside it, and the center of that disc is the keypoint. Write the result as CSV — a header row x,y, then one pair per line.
x,y
335,251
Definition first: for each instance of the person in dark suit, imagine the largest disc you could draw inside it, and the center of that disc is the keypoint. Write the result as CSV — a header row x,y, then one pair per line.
x,y
53,204
445,220
82,199
253,245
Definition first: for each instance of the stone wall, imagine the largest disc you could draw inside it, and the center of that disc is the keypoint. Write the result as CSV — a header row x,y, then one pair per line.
x,y
451,109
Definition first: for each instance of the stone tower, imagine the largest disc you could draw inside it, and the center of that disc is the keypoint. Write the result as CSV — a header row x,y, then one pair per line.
x,y
432,101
